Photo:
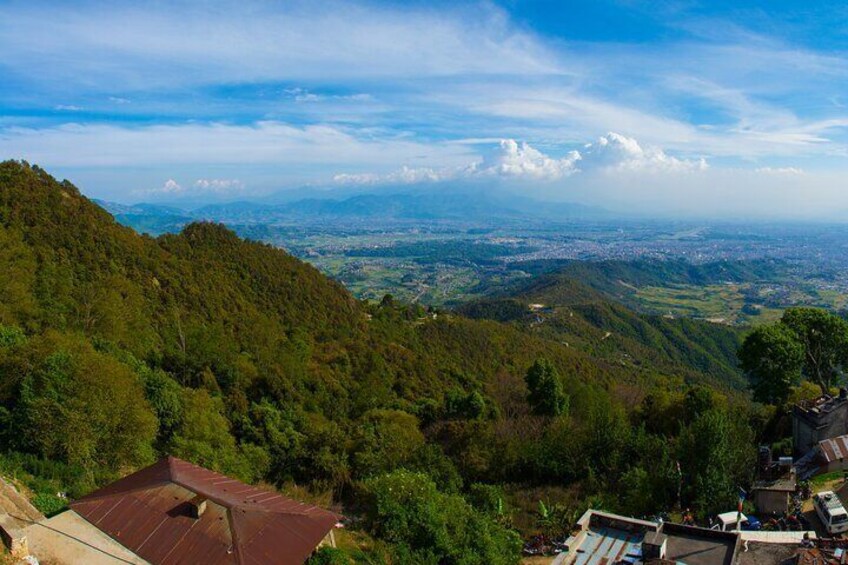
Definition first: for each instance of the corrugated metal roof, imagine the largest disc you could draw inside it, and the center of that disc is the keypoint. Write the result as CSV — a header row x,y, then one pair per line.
x,y
834,449
148,513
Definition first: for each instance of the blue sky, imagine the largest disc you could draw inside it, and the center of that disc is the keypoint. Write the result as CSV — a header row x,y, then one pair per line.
x,y
680,107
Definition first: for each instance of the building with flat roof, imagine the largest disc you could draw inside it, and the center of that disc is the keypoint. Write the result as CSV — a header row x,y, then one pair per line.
x,y
820,419
601,538
774,496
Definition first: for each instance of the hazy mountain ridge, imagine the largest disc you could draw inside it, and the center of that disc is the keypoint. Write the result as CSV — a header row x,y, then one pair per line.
x,y
420,205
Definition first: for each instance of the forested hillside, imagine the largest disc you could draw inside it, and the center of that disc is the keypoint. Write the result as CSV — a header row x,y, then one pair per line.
x,y
617,279
436,431
559,307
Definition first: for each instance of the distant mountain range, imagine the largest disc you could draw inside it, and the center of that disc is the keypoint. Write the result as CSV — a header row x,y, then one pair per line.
x,y
407,206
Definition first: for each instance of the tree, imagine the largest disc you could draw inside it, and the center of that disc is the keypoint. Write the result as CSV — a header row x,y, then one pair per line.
x,y
79,405
697,400
824,337
772,358
806,342
203,437
544,390
716,456
426,525
386,440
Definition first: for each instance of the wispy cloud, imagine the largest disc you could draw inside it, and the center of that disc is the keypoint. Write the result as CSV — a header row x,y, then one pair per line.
x,y
284,94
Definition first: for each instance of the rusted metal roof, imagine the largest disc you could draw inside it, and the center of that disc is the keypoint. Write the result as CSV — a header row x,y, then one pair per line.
x,y
834,449
149,512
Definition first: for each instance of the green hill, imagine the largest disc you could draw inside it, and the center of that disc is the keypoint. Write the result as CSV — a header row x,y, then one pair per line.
x,y
116,348
560,306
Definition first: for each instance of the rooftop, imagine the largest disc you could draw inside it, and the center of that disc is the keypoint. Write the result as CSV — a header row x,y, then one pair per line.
x,y
834,449
831,502
608,538
608,545
761,553
699,546
821,405
154,513
783,484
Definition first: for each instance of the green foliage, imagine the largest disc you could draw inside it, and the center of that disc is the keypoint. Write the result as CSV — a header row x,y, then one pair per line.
x,y
116,348
329,556
11,336
772,357
428,526
544,387
806,342
49,504
715,456
385,440
824,337
204,437
556,520
77,405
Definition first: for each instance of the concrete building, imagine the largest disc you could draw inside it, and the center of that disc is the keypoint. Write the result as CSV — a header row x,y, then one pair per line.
x,y
601,538
813,421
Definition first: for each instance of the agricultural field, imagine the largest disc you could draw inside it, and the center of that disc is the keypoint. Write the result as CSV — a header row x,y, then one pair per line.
x,y
735,304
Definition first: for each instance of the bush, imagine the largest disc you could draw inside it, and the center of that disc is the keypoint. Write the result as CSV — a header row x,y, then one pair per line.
x,y
426,525
329,556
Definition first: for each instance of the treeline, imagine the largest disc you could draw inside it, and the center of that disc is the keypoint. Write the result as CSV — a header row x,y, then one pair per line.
x,y
116,348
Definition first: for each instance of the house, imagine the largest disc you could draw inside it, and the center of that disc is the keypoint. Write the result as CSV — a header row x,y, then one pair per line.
x,y
605,538
774,496
833,454
814,421
601,537
175,512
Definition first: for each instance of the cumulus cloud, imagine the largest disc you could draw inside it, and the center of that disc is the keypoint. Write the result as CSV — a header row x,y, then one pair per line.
x,y
520,160
618,152
514,160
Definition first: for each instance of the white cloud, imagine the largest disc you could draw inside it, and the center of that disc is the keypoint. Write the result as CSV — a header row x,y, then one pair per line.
x,y
406,175
270,143
169,187
512,160
154,45
172,187
780,171
520,160
219,185
68,108
620,153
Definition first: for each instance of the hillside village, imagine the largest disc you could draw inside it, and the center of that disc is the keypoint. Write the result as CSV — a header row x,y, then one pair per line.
x,y
791,522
